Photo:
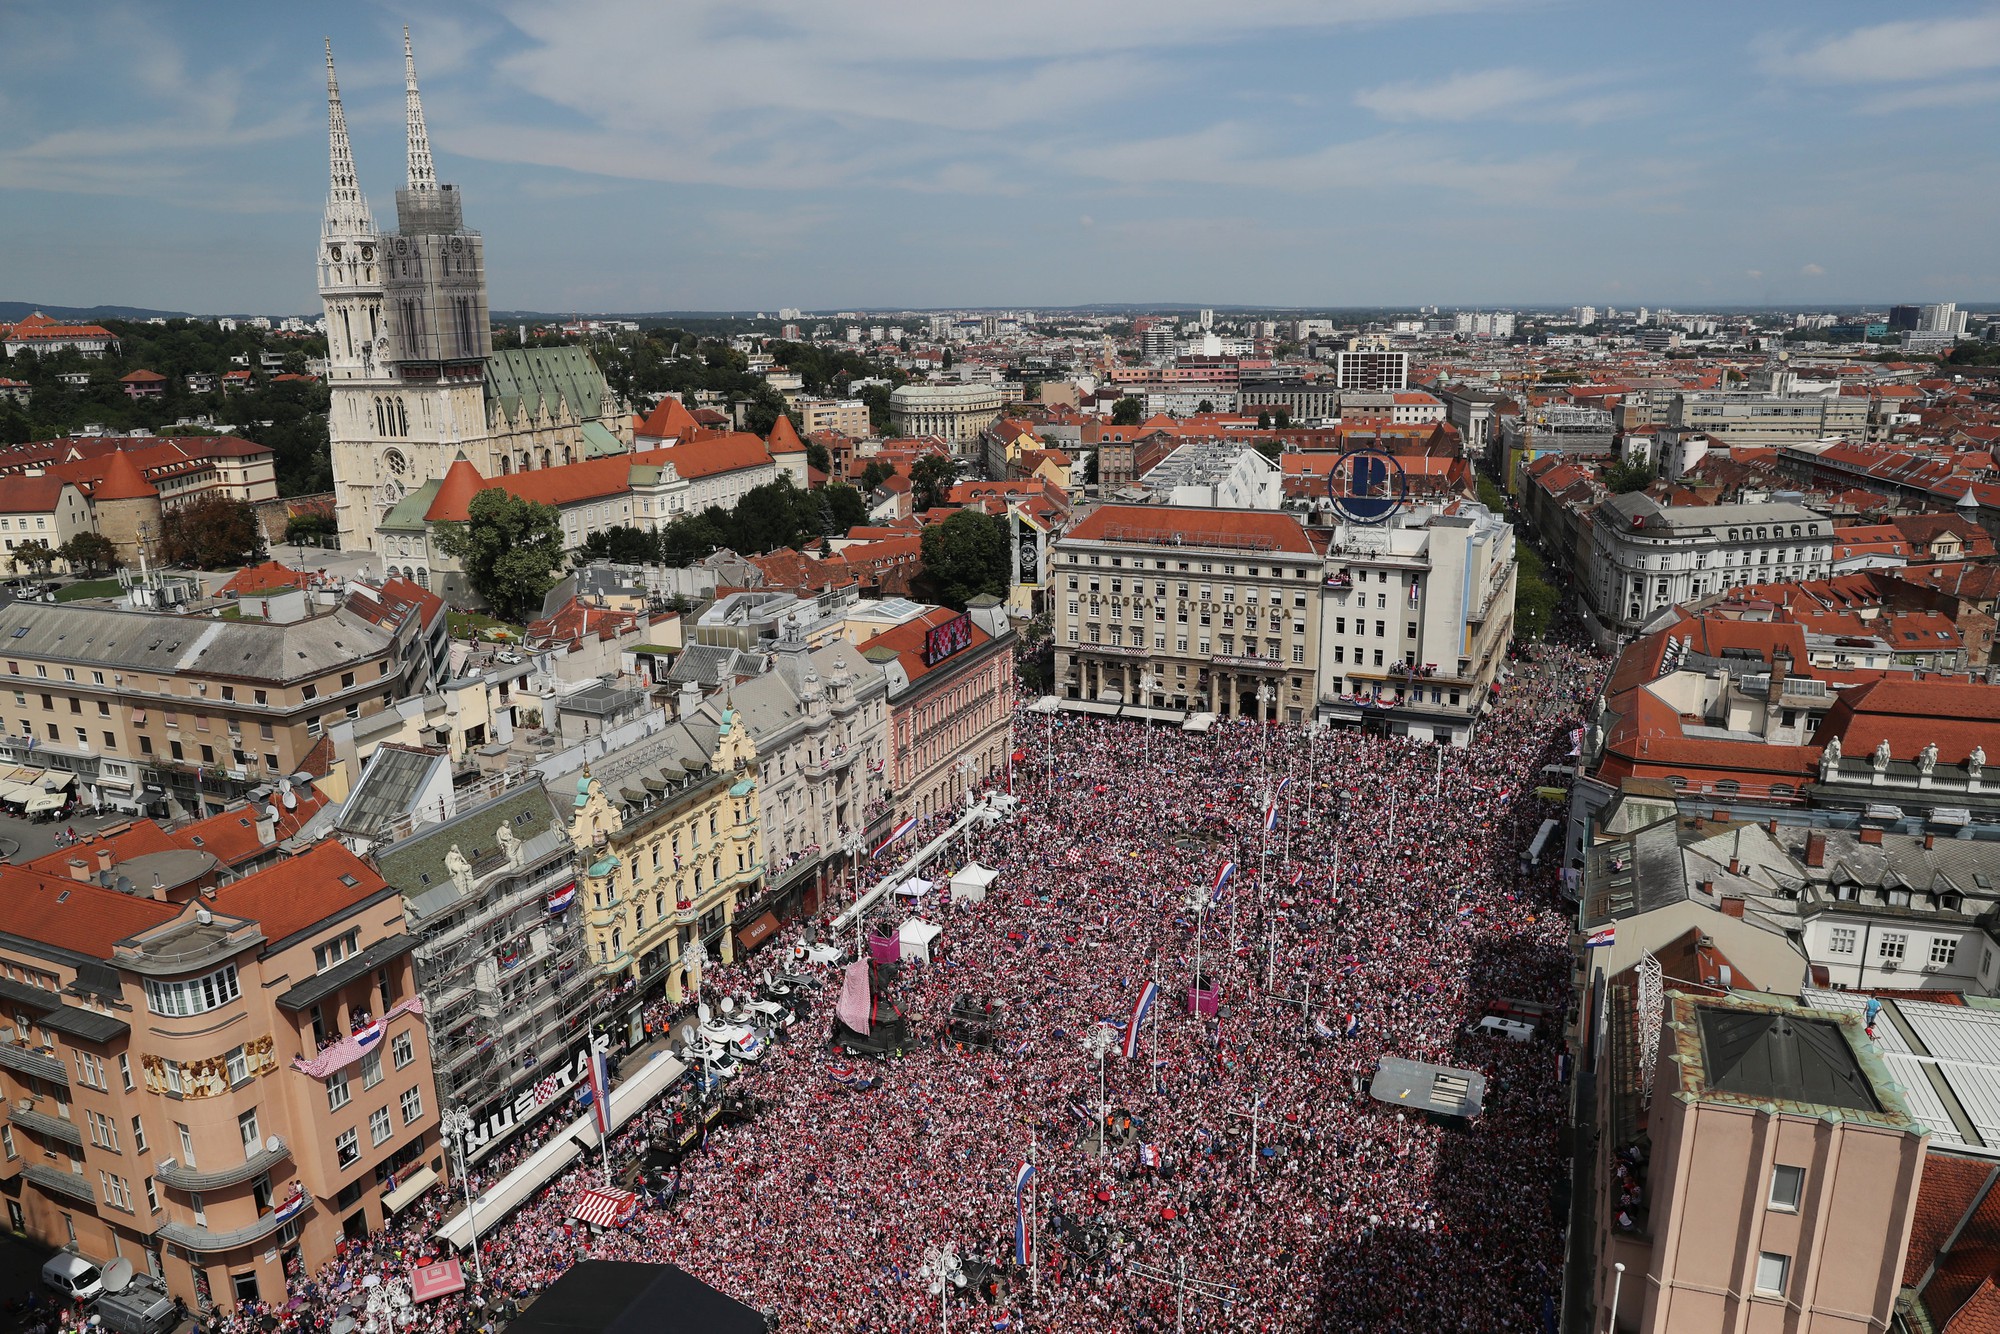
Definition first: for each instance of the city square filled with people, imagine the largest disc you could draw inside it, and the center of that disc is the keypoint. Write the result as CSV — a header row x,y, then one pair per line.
x,y
1381,897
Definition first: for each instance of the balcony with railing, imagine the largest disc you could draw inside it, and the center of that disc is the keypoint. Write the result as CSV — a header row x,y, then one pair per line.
x,y
71,1184
23,1114
42,1062
201,1239
173,1173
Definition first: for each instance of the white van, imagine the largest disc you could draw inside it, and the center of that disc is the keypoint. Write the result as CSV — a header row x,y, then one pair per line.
x,y
73,1276
1493,1026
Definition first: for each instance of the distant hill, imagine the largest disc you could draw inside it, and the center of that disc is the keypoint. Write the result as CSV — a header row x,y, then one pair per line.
x,y
14,310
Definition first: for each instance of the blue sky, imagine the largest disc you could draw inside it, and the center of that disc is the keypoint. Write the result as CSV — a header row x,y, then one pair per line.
x,y
681,154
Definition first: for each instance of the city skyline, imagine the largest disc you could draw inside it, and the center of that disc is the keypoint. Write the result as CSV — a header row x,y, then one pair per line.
x,y
1465,152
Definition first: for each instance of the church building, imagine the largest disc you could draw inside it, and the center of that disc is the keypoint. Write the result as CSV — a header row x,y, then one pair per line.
x,y
416,384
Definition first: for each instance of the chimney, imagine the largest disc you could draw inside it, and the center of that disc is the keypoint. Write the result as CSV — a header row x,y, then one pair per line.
x,y
689,701
1735,867
1732,906
1816,848
1930,841
1872,837
1707,887
1771,826
79,869
1781,668
104,859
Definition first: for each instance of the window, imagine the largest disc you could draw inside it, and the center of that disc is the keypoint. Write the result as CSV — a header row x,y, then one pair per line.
x,y
347,1148
253,1138
412,1103
238,1063
1944,952
138,1134
371,1069
402,1050
1891,946
116,1193
152,1196
103,1133
333,951
125,1074
1772,1271
7,1142
337,1095
90,1070
187,1144
378,1125
194,996
172,1070
1788,1187
1842,940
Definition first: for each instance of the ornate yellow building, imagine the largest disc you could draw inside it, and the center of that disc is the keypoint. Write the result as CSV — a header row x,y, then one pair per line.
x,y
668,832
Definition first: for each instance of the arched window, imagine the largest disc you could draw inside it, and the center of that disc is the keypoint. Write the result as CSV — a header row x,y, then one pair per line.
x,y
1728,787
505,465
423,578
1676,782
402,417
380,428
545,458
567,456
1782,789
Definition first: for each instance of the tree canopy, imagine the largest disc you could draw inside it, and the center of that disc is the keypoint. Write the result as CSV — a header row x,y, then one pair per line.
x,y
930,481
510,549
965,556
1128,411
211,532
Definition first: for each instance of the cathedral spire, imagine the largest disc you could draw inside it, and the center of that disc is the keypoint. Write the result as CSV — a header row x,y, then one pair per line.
x,y
423,176
346,209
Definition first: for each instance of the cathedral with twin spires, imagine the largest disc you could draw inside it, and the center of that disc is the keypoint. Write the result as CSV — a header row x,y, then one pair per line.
x,y
416,384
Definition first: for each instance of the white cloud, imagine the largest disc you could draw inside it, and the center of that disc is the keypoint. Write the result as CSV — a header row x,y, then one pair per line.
x,y
1512,93
1812,271
1935,96
1911,49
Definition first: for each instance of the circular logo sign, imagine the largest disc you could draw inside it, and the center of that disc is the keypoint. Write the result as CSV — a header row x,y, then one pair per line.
x,y
1367,486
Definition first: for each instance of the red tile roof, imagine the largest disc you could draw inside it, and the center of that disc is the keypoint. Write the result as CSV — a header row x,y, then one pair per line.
x,y
1253,529
301,891
669,421
122,480
30,495
716,455
263,578
74,915
784,438
1953,715
907,640
454,494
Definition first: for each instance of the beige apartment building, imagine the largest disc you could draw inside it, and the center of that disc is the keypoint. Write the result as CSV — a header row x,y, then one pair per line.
x,y
1201,610
145,707
217,1086
848,416
1768,1183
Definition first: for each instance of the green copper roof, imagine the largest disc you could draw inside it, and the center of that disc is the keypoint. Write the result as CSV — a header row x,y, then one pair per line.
x,y
598,442
742,789
407,515
540,380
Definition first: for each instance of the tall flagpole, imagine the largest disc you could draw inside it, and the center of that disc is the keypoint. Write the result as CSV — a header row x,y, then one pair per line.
x,y
1156,1024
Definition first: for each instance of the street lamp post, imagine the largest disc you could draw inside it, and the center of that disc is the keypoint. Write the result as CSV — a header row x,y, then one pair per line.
x,y
1099,1044
941,1268
456,1125
1617,1283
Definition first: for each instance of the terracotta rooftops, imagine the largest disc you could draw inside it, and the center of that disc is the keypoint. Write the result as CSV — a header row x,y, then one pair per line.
x,y
1240,530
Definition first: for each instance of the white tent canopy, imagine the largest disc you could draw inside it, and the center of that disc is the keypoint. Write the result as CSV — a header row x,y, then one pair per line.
x,y
972,882
914,938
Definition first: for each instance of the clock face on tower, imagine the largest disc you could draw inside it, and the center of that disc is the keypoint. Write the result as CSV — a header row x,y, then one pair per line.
x,y
333,253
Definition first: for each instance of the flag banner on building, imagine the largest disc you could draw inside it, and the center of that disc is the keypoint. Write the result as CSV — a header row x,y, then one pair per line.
x,y
562,898
1149,1156
1604,935
369,1034
895,834
600,1092
293,1207
1021,1179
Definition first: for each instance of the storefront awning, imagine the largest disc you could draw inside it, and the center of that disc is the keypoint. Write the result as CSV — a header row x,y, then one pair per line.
x,y
407,1191
761,929
45,801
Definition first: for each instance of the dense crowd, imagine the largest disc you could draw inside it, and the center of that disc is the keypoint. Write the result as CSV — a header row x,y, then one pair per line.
x,y
1387,902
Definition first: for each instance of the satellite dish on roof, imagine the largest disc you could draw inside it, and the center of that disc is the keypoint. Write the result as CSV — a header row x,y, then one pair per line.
x,y
290,799
117,1275
729,1004
123,885
271,814
701,1012
272,1143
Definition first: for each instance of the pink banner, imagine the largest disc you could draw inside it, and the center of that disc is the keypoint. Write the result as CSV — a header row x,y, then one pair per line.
x,y
852,1007
345,1052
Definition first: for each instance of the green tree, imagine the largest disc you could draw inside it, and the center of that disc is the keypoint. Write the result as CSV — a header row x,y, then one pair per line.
x,y
844,505
510,550
310,529
930,481
35,556
1628,476
1264,420
211,532
620,544
88,553
876,473
876,396
1204,407
1127,411
965,556
817,457
1535,598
